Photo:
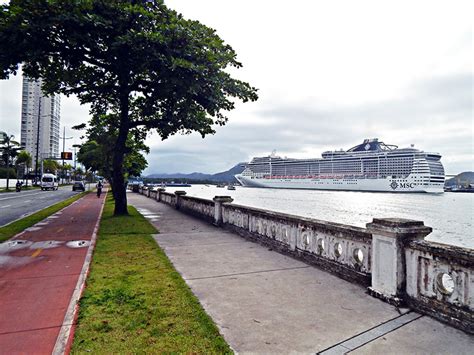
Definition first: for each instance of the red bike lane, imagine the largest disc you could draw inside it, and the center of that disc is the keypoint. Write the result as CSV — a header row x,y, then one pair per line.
x,y
42,273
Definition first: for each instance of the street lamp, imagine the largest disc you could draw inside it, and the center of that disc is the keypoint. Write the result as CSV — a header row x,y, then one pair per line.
x,y
64,147
37,141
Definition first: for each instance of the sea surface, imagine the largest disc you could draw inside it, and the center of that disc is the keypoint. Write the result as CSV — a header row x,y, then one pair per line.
x,y
451,215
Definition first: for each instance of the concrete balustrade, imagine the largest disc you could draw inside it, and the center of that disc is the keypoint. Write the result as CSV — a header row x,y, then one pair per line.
x,y
440,282
390,256
343,250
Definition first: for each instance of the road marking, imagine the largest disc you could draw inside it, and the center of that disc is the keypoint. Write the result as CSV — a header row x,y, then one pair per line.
x,y
16,196
60,230
26,201
36,253
5,206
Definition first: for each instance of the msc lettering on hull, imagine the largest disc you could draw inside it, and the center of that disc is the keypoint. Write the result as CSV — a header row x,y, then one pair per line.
x,y
404,185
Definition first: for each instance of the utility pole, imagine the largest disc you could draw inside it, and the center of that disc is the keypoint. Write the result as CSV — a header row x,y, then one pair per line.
x,y
64,147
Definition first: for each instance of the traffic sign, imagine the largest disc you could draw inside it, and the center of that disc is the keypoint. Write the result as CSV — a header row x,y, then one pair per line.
x,y
66,155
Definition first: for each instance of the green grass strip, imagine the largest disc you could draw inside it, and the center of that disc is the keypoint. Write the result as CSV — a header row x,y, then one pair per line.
x,y
18,226
135,301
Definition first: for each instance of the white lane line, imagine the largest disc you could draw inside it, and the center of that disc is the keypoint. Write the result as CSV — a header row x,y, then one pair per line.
x,y
5,206
16,196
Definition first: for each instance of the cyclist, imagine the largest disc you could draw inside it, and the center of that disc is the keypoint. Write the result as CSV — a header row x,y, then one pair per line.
x,y
99,188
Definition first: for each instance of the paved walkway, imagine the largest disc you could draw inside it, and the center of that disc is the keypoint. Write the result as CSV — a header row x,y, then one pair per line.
x,y
40,271
265,302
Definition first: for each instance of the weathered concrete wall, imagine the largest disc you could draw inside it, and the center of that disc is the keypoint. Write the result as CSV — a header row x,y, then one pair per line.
x,y
169,199
390,255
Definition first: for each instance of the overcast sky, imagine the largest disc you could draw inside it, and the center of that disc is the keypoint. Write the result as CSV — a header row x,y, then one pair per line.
x,y
329,74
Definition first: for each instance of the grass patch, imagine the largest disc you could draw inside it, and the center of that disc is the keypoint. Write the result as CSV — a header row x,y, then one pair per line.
x,y
16,227
134,223
135,301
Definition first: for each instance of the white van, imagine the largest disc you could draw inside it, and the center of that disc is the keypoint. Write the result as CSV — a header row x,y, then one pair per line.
x,y
49,181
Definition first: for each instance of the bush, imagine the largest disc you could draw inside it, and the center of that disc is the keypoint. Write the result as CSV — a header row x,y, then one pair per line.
x,y
3,173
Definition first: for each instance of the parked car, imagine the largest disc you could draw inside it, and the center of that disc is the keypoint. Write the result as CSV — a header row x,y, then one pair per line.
x,y
79,185
49,182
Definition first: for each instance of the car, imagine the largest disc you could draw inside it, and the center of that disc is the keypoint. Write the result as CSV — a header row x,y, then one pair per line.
x,y
49,181
79,185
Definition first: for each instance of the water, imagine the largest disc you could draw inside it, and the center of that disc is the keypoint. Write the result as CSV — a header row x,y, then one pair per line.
x,y
451,215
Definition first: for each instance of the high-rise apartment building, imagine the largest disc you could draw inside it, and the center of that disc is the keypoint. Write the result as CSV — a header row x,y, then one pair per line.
x,y
40,116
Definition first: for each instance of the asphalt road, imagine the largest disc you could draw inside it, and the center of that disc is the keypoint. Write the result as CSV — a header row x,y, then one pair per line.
x,y
15,205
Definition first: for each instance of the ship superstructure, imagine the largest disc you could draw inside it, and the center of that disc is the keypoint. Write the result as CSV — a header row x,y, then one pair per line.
x,y
370,166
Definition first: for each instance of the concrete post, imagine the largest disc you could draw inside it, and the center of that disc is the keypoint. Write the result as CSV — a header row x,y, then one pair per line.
x,y
218,201
148,192
158,193
178,198
389,237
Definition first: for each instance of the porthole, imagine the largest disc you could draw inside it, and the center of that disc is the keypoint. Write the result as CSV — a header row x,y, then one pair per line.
x,y
445,283
306,241
337,250
321,246
358,256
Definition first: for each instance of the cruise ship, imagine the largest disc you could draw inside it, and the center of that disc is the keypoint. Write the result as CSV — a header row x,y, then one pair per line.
x,y
370,166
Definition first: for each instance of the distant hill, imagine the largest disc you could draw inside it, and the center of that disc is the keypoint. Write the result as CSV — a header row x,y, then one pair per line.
x,y
464,178
225,176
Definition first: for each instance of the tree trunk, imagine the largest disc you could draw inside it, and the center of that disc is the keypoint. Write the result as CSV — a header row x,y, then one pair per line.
x,y
118,181
8,170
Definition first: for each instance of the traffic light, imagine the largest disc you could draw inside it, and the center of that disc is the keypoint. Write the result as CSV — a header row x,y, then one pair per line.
x,y
66,155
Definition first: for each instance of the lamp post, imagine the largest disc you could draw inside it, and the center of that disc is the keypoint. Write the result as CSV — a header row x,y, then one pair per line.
x,y
64,147
37,141
75,156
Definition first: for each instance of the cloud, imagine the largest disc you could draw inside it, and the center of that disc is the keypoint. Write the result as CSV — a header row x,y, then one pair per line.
x,y
435,114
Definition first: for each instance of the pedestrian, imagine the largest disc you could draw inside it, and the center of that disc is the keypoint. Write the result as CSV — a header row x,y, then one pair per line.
x,y
18,186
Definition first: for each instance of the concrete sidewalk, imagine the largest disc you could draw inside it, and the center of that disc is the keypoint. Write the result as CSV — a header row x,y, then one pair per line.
x,y
265,302
42,271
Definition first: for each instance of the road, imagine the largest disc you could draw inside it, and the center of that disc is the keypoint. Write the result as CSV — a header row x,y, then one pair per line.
x,y
15,205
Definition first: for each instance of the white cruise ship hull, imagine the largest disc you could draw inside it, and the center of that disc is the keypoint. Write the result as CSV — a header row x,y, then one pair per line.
x,y
412,183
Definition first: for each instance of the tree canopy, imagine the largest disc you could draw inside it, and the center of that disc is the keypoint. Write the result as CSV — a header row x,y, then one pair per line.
x,y
97,152
9,149
137,60
51,166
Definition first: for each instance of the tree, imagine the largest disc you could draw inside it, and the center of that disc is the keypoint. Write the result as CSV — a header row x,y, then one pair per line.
x,y
136,59
97,153
51,166
24,157
9,150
